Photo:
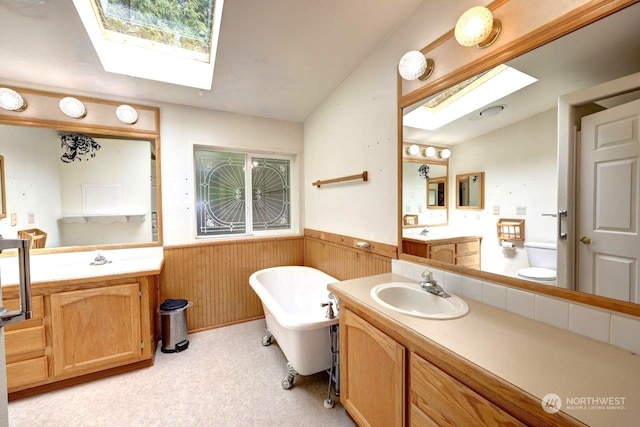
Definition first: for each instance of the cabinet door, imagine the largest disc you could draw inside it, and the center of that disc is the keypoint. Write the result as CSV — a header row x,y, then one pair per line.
x,y
444,253
438,399
94,329
372,373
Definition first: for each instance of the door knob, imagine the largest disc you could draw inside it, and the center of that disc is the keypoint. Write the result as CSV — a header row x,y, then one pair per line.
x,y
586,240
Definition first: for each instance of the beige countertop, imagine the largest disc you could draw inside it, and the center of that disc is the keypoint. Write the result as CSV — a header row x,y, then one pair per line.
x,y
535,357
438,236
64,267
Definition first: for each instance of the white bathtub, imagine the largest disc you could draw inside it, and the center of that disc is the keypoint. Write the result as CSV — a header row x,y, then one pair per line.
x,y
291,298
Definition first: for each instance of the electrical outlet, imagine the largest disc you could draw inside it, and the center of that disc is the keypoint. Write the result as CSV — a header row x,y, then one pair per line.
x,y
521,210
14,219
419,209
496,210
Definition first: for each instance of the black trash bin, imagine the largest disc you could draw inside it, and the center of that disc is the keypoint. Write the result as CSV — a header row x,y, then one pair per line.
x,y
174,325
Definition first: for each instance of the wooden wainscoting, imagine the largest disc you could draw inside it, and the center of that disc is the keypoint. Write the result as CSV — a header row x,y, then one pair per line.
x,y
215,277
340,256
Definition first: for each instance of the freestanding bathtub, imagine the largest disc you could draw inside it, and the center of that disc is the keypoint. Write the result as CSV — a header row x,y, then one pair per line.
x,y
291,298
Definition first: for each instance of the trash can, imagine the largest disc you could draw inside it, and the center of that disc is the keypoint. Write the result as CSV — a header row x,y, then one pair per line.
x,y
174,325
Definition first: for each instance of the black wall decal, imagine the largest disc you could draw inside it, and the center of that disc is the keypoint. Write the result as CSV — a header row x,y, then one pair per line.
x,y
77,146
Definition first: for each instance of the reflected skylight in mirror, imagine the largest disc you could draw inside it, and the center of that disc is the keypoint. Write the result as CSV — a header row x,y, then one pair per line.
x,y
173,41
467,97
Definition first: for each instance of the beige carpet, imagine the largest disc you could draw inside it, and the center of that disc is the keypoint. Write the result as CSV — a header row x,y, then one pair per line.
x,y
225,378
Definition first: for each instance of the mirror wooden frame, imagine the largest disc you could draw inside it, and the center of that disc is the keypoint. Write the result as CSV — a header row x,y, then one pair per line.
x,y
101,119
543,31
466,176
3,197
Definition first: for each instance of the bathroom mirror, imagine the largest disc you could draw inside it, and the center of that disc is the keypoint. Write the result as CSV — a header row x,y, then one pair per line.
x,y
424,196
470,191
514,139
80,185
437,193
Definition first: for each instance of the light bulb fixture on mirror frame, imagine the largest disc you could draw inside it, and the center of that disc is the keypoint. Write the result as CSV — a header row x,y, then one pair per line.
x,y
72,107
445,153
413,150
477,27
430,152
415,66
11,100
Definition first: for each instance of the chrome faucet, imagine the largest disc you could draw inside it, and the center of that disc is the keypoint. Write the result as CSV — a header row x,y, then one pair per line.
x,y
330,313
100,260
424,231
430,285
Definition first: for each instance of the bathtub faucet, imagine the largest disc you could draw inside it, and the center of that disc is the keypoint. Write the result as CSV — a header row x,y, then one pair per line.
x,y
430,285
330,313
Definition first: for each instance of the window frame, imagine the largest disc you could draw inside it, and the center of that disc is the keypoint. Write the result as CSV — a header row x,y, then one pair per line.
x,y
295,206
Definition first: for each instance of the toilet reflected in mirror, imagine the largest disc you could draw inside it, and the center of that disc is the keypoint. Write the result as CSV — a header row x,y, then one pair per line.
x,y
542,263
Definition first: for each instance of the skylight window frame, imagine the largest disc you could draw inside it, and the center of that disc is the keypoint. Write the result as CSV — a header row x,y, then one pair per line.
x,y
137,57
491,86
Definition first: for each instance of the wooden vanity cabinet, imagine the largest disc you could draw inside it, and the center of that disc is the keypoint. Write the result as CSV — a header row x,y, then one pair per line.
x,y
371,373
80,330
464,251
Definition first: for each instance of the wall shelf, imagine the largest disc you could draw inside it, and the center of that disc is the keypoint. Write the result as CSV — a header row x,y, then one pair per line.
x,y
102,219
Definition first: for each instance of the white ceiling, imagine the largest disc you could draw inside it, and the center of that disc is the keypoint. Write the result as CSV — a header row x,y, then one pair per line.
x,y
278,59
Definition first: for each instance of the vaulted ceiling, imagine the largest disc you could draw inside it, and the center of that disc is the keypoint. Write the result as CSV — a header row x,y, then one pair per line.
x,y
278,59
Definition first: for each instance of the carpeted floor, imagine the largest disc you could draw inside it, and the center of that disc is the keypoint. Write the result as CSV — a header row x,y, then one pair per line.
x,y
225,378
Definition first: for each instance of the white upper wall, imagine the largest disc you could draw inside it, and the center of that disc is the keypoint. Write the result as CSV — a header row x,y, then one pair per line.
x,y
182,128
355,129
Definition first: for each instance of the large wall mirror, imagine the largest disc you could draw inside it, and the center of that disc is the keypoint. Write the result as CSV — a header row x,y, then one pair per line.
x,y
513,140
73,186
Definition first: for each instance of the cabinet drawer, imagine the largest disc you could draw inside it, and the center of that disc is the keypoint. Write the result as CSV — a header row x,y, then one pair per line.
x,y
27,372
471,261
468,248
24,340
442,400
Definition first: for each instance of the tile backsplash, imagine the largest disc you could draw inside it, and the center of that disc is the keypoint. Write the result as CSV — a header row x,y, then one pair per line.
x,y
603,325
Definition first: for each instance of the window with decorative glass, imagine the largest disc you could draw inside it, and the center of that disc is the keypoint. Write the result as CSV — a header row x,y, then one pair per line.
x,y
242,193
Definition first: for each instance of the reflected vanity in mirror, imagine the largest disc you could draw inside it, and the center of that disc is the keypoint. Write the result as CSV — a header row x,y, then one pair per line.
x,y
514,141
470,191
76,185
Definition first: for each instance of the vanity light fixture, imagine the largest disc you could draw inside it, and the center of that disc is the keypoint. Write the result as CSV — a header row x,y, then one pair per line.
x,y
445,153
12,100
430,152
414,65
413,150
73,107
477,27
127,114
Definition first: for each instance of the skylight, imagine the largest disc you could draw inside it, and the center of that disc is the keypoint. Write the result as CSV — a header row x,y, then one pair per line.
x,y
173,41
467,97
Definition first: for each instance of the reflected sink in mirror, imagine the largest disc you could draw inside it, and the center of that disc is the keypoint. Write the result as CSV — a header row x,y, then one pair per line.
x,y
407,298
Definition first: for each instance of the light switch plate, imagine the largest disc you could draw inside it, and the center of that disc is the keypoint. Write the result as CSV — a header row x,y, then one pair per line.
x,y
32,217
14,219
521,210
496,210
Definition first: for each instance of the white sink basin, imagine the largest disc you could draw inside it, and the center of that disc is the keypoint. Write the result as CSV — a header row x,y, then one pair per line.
x,y
410,299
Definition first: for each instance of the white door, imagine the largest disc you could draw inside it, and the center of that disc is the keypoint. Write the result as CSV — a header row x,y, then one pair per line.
x,y
608,240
